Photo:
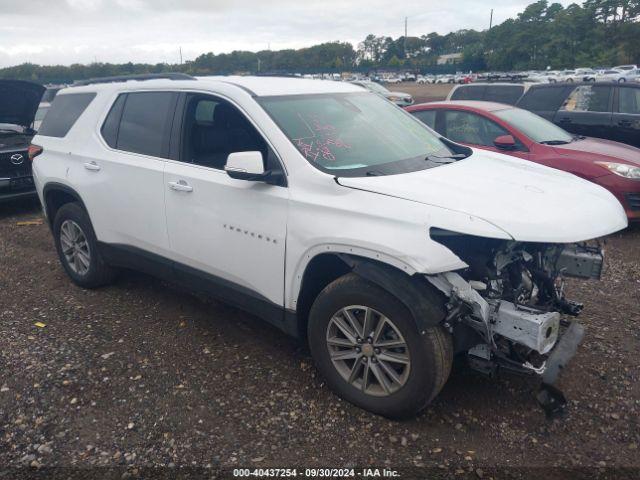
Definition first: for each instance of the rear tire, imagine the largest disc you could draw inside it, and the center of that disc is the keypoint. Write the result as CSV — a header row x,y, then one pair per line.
x,y
77,248
353,300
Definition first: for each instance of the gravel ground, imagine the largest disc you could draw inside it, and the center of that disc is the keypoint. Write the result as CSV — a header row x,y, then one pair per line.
x,y
422,93
143,374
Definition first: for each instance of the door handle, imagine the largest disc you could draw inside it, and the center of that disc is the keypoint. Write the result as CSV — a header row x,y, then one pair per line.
x,y
180,186
565,120
93,166
624,123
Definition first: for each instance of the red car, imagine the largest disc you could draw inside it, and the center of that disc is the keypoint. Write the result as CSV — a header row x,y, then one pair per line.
x,y
513,131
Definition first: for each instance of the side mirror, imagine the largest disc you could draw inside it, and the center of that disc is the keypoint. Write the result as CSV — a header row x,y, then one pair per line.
x,y
246,166
505,142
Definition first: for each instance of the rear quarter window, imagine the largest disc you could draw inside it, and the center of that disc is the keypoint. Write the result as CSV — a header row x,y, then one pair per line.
x,y
428,117
63,114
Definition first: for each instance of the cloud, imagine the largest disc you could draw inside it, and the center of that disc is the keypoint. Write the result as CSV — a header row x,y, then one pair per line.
x,y
82,31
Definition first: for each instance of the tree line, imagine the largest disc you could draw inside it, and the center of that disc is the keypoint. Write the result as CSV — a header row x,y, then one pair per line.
x,y
598,32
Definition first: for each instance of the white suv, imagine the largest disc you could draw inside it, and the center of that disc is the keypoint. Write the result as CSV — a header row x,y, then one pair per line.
x,y
332,214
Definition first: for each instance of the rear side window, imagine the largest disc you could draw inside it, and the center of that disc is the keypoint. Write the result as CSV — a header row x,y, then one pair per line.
x,y
469,92
548,99
428,117
63,113
141,123
629,100
112,123
508,94
588,98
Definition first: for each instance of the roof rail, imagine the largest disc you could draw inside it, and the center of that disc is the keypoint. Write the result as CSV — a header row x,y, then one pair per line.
x,y
140,78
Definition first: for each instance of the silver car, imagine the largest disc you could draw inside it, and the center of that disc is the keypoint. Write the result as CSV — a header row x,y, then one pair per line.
x,y
399,98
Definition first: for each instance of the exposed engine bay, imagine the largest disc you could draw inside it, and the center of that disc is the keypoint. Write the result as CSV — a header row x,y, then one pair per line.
x,y
506,309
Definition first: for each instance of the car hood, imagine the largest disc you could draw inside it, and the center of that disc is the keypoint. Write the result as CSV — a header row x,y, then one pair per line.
x,y
528,201
398,94
19,101
606,148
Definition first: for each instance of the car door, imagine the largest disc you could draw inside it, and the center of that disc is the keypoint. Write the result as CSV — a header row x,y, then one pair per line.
x,y
122,184
475,130
228,235
626,115
587,111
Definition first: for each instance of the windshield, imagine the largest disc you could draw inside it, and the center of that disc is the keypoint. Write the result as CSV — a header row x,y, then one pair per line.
x,y
375,87
356,134
536,128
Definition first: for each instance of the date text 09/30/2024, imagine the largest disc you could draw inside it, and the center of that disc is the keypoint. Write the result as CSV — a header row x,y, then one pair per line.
x,y
315,473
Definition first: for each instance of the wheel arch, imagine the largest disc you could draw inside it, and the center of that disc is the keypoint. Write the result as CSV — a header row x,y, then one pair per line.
x,y
424,302
55,195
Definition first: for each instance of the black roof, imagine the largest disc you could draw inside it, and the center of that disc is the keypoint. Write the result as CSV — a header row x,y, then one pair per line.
x,y
142,77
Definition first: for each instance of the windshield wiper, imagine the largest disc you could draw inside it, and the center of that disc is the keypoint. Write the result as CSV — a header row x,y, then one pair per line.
x,y
554,142
445,158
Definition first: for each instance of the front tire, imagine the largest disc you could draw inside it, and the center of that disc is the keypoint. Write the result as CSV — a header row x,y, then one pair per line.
x,y
366,344
77,248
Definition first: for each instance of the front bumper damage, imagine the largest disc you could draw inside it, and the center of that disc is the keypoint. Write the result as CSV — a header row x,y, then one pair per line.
x,y
549,397
551,340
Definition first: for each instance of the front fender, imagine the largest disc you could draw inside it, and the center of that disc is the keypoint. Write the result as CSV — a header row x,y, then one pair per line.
x,y
447,261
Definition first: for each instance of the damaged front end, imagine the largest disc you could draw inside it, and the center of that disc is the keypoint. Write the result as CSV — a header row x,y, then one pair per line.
x,y
506,309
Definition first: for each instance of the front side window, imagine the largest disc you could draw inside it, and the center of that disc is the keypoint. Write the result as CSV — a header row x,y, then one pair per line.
x,y
588,98
533,126
145,123
629,100
213,129
354,134
465,127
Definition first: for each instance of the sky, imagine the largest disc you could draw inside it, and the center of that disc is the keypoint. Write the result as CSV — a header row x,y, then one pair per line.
x,y
52,32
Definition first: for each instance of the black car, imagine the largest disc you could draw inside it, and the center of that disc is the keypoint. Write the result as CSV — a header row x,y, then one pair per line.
x,y
508,93
18,104
605,110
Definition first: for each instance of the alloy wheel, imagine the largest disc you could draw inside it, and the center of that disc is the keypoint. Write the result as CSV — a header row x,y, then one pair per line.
x,y
368,350
75,247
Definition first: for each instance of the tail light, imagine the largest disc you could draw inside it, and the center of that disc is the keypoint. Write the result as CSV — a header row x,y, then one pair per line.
x,y
33,151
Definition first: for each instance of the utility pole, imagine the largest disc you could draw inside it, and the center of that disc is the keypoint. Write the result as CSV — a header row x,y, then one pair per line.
x,y
491,20
180,55
405,36
258,64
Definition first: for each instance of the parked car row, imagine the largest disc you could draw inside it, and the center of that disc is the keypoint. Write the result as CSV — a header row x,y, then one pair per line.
x,y
502,128
332,214
604,110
